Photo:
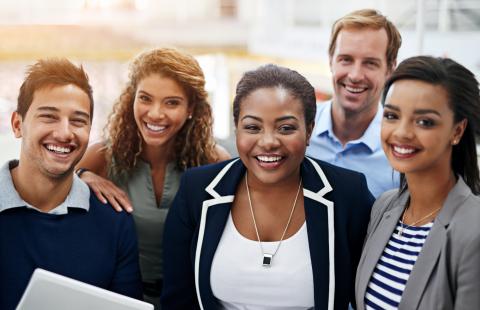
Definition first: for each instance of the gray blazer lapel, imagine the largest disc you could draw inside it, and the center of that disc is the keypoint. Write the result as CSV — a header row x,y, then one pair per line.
x,y
373,249
426,261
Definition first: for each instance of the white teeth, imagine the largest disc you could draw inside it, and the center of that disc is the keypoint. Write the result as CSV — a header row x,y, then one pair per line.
x,y
269,159
402,150
58,149
355,89
155,127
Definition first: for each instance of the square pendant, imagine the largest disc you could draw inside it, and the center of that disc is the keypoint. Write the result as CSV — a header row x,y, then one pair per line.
x,y
267,260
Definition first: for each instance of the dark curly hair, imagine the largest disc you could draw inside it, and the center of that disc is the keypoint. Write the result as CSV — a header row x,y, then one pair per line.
x,y
194,143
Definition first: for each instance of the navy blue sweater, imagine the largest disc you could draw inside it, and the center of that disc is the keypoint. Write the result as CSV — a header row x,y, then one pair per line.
x,y
98,247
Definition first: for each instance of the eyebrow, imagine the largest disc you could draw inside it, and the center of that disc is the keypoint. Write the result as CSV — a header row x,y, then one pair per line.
x,y
417,111
366,58
144,92
280,119
53,109
374,59
169,97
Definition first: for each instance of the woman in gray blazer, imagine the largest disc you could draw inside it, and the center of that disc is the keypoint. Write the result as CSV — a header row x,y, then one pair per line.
x,y
423,242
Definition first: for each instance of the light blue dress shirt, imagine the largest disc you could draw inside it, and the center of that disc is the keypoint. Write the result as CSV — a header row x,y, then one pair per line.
x,y
364,155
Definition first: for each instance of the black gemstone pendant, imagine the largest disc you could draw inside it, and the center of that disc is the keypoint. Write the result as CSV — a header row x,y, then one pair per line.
x,y
267,260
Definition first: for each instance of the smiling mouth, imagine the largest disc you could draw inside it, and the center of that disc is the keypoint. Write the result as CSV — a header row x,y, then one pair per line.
x,y
269,159
404,151
155,128
355,90
58,149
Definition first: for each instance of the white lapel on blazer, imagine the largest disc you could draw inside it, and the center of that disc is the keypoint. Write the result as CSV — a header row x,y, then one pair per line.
x,y
217,199
318,196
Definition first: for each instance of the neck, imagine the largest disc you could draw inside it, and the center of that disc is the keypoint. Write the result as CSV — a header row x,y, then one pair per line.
x,y
284,186
157,156
40,191
428,192
351,126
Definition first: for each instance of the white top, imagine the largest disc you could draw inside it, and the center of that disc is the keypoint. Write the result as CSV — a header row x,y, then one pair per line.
x,y
239,280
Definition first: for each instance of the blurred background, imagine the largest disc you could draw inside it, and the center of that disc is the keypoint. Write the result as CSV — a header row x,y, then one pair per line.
x,y
227,37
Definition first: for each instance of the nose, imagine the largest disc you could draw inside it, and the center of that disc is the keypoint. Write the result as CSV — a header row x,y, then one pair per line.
x,y
269,141
63,131
156,111
404,130
356,73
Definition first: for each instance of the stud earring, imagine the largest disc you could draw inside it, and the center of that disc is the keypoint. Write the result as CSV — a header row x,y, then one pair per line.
x,y
454,142
190,116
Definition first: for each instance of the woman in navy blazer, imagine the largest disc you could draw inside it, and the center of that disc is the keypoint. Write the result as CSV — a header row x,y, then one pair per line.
x,y
274,111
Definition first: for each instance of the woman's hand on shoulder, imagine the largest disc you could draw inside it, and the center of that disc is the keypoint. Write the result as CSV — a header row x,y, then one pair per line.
x,y
222,153
95,175
106,190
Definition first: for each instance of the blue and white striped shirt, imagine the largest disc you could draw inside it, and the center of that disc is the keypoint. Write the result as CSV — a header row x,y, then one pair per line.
x,y
391,274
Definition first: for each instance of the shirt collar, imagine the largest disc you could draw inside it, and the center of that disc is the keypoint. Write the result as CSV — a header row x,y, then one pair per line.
x,y
371,136
78,197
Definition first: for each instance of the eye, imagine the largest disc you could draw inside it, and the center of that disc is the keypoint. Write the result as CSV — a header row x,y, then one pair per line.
x,y
344,60
79,122
48,118
287,129
173,102
426,122
144,98
389,115
372,64
251,128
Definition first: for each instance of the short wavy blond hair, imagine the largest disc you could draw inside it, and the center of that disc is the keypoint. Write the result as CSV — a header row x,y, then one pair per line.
x,y
194,143
368,18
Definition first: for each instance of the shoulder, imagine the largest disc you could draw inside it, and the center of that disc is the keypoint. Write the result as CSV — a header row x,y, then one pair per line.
x,y
200,177
222,153
323,105
384,201
106,214
336,173
209,169
387,196
465,220
348,187
95,159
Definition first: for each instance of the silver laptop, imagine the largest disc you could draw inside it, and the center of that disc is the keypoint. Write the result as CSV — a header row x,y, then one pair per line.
x,y
50,291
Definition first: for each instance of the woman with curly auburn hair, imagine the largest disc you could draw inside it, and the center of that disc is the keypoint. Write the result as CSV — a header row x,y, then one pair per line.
x,y
160,126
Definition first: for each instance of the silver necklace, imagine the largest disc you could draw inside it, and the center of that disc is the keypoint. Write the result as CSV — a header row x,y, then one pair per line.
x,y
268,257
403,226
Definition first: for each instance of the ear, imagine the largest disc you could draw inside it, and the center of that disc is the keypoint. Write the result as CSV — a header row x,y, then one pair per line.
x,y
16,122
190,111
391,68
458,130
